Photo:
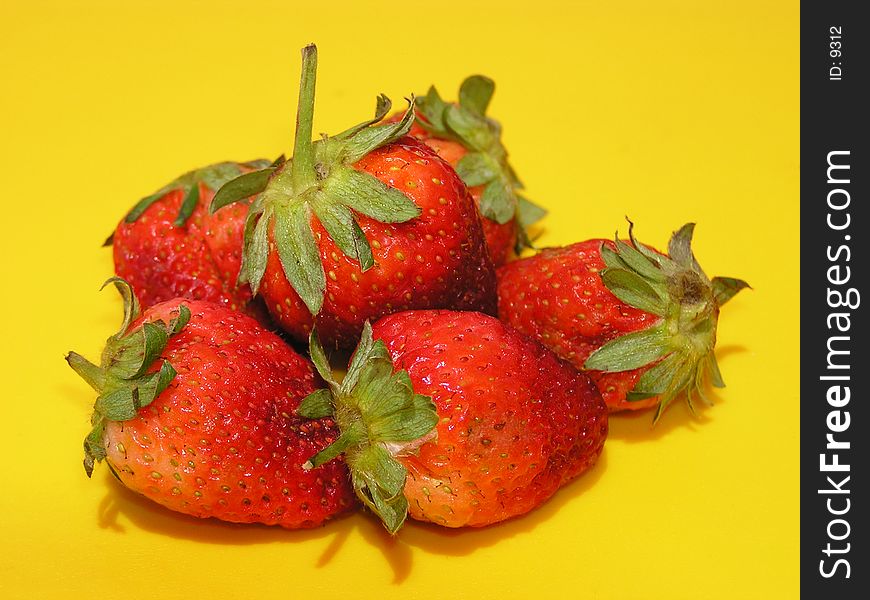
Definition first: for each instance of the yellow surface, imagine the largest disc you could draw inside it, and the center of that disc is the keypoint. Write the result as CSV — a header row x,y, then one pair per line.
x,y
665,111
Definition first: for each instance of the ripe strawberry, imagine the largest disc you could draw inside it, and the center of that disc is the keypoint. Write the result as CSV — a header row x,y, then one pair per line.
x,y
196,411
464,136
512,423
642,323
359,225
169,246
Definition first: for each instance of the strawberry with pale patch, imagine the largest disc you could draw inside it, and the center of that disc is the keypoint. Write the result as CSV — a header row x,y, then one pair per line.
x,y
359,225
641,323
196,410
457,419
169,246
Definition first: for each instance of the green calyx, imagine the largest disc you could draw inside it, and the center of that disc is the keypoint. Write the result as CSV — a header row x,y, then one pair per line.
x,y
124,380
680,346
318,181
486,162
213,176
380,418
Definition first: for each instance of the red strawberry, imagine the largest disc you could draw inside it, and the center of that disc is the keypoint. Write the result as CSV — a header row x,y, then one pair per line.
x,y
642,323
512,423
196,411
464,136
169,246
360,225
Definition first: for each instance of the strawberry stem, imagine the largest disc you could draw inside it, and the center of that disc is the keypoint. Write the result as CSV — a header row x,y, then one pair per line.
x,y
679,350
123,381
320,182
303,151
380,417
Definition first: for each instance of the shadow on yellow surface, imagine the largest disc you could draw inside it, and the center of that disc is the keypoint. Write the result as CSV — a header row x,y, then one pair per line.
x,y
399,551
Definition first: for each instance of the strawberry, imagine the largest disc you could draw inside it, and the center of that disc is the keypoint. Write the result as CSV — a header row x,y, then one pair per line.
x,y
196,411
464,136
457,419
643,324
169,246
359,225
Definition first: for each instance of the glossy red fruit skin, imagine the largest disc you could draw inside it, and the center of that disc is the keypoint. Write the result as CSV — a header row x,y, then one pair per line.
x,y
436,260
223,439
199,260
516,423
501,239
558,297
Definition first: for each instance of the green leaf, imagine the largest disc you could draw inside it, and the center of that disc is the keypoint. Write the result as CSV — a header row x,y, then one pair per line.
x,y
143,204
369,196
655,380
652,255
393,413
523,241
640,263
215,176
633,289
188,205
475,93
497,202
410,421
117,404
180,321
243,186
432,108
93,445
680,382
476,168
630,351
698,383
376,392
529,213
725,288
319,358
680,248
365,351
155,336
131,304
152,385
715,373
348,438
379,481
299,254
373,137
470,128
382,107
316,405
339,222
363,249
91,373
256,253
611,259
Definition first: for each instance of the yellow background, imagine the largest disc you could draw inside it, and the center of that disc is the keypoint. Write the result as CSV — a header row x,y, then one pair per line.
x,y
664,111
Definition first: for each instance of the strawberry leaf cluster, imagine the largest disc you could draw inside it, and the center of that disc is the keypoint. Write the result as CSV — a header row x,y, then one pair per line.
x,y
486,163
125,380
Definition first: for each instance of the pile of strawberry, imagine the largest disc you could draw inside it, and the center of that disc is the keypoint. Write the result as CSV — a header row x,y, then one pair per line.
x,y
480,382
